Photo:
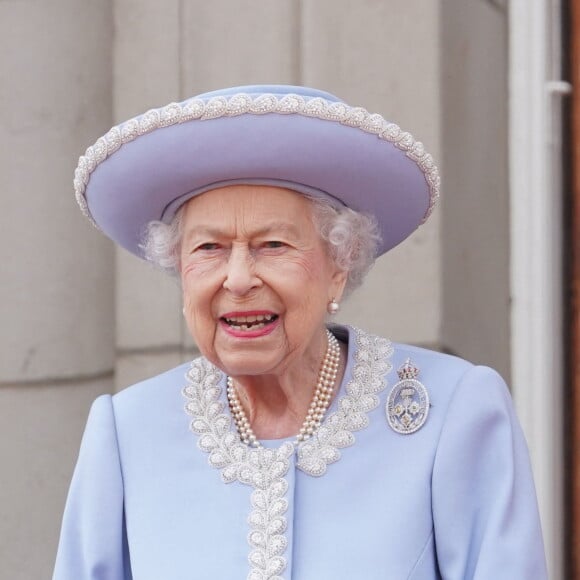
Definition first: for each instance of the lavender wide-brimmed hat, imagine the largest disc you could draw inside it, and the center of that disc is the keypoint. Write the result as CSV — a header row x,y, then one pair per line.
x,y
294,137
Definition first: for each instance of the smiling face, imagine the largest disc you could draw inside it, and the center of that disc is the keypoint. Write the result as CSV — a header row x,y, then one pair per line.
x,y
256,279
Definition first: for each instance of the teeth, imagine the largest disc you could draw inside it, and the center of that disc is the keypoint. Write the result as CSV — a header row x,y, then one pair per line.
x,y
252,327
243,320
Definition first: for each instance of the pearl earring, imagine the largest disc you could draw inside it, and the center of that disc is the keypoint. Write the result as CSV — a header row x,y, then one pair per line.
x,y
183,311
333,307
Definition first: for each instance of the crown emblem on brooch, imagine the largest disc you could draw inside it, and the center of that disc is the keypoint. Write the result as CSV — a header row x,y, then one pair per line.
x,y
408,370
407,406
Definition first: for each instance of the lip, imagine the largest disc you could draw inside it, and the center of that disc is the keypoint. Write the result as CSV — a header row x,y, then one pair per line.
x,y
269,328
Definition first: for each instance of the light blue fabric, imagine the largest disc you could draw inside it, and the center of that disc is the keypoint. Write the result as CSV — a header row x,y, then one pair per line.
x,y
453,501
373,168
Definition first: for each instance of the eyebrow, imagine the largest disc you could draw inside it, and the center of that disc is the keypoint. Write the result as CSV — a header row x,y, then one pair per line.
x,y
283,227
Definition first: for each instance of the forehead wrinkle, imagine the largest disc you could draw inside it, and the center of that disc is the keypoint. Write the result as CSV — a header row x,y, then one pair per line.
x,y
246,229
278,226
226,213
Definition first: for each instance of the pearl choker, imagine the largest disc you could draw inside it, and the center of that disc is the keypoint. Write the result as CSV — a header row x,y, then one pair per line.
x,y
318,406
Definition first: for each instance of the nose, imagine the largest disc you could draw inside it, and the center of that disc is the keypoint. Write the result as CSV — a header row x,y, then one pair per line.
x,y
241,274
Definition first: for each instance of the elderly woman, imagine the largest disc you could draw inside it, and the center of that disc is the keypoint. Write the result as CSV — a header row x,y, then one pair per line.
x,y
306,450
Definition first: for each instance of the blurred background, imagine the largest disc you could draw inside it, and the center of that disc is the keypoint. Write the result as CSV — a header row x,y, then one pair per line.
x,y
485,84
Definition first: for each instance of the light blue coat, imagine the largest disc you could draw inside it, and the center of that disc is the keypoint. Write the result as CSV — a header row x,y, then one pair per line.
x,y
164,494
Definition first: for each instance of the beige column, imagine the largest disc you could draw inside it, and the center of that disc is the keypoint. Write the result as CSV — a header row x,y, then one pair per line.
x,y
245,42
476,292
146,74
56,298
385,57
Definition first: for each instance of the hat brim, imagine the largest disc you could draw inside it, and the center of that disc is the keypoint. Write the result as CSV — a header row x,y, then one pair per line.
x,y
151,175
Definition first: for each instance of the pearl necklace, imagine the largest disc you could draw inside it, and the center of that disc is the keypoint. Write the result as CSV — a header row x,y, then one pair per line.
x,y
318,407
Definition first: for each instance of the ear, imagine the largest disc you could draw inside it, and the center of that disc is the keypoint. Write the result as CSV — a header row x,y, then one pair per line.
x,y
338,282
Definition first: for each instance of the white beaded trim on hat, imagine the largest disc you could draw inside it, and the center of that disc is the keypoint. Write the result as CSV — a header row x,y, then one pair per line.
x,y
242,104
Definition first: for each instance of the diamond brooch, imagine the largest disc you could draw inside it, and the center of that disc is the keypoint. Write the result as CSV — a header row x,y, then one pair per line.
x,y
407,406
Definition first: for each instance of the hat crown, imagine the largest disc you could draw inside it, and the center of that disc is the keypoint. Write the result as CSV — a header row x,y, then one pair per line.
x,y
306,92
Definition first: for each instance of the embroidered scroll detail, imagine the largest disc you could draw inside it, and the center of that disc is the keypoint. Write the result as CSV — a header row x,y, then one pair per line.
x,y
264,469
372,364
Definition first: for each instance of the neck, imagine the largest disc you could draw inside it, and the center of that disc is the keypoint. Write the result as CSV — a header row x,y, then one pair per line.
x,y
277,405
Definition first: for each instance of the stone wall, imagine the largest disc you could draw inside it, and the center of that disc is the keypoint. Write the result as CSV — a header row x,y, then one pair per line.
x,y
475,309
80,318
57,300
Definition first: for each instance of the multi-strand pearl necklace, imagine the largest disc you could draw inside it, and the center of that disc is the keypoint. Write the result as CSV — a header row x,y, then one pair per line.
x,y
318,407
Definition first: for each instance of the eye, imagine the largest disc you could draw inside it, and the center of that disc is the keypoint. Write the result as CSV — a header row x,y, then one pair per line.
x,y
273,244
208,246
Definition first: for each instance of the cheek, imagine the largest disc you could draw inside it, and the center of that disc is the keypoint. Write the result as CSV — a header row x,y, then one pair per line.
x,y
198,268
314,270
303,281
200,280
198,290
199,321
301,267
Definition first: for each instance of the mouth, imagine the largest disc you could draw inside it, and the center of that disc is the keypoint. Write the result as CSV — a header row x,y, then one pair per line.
x,y
248,322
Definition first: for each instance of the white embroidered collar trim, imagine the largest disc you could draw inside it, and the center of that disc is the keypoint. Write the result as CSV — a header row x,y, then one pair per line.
x,y
218,437
263,468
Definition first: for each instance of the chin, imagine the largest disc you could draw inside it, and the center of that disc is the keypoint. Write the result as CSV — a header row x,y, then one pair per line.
x,y
245,367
